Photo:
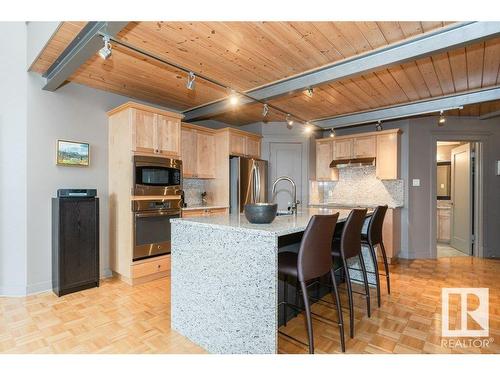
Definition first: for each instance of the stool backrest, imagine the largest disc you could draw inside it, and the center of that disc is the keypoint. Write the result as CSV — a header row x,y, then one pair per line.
x,y
314,258
375,225
350,241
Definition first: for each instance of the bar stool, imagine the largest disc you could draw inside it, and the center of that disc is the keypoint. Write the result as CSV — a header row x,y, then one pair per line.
x,y
312,261
348,247
373,237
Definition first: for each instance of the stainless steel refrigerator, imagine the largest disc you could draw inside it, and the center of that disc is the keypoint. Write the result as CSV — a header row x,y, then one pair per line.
x,y
248,182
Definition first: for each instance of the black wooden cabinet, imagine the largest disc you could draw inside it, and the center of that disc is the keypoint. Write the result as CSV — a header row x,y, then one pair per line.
x,y
75,244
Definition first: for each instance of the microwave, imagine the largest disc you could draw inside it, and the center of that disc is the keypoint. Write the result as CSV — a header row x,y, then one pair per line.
x,y
157,176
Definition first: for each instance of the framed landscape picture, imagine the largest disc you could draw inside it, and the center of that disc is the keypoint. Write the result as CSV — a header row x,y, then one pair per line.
x,y
73,153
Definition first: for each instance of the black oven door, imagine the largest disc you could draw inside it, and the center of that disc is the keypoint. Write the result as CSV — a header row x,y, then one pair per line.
x,y
152,233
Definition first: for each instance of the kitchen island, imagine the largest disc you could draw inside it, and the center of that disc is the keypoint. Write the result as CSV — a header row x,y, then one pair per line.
x,y
224,288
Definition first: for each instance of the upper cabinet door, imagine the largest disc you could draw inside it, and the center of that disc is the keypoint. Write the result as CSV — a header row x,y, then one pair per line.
x,y
205,155
188,152
237,144
342,149
167,133
387,156
143,131
365,147
324,156
253,147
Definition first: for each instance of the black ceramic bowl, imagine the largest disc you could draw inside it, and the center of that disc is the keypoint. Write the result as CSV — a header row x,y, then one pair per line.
x,y
261,213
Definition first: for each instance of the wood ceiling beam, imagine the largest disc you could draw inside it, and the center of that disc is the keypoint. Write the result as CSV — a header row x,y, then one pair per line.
x,y
434,42
85,44
411,109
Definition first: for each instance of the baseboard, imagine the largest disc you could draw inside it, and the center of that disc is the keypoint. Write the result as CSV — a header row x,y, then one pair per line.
x,y
106,273
41,287
13,291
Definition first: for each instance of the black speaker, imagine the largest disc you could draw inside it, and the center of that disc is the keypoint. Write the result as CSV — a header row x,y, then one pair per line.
x,y
75,243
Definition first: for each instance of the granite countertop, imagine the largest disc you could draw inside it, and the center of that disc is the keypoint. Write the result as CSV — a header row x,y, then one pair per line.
x,y
349,205
282,225
207,207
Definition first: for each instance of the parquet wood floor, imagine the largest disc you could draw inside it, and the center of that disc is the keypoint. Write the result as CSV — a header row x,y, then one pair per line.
x,y
118,318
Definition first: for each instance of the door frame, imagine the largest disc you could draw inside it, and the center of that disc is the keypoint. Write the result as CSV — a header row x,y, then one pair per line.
x,y
481,140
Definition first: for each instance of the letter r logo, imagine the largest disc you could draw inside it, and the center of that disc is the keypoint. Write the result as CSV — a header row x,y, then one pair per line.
x,y
478,314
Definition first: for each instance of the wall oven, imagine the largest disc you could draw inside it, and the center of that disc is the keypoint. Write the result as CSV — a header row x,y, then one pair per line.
x,y
157,176
152,229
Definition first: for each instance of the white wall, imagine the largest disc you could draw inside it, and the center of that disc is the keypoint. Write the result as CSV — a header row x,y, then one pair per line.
x,y
12,158
73,112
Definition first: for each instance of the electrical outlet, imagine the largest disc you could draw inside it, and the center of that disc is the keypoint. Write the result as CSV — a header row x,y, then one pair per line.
x,y
416,182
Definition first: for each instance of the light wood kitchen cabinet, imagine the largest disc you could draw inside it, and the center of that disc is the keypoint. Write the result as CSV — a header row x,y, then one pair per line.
x,y
205,212
365,147
253,147
154,133
324,156
244,144
342,149
135,129
444,224
205,153
197,151
388,156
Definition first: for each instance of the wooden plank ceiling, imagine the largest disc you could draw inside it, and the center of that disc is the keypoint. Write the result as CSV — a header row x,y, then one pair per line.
x,y
246,55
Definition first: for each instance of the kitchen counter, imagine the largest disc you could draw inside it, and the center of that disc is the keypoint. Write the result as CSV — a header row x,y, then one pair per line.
x,y
207,207
224,279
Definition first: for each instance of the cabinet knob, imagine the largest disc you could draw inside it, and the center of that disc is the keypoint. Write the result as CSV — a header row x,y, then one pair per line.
x,y
159,266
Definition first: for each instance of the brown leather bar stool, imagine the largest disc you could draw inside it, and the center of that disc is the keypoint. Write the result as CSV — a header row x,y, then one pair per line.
x,y
373,237
312,261
348,247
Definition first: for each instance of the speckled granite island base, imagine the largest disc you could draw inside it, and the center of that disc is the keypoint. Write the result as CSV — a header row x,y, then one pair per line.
x,y
224,287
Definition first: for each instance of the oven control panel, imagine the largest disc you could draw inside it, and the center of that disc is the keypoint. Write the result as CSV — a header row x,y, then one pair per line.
x,y
155,204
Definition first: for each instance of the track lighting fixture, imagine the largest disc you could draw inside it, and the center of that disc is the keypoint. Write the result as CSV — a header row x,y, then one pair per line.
x,y
190,81
308,128
379,126
442,118
105,52
265,110
332,133
309,92
289,121
233,97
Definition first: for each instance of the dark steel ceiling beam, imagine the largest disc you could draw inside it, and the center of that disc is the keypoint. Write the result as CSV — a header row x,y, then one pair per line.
x,y
86,43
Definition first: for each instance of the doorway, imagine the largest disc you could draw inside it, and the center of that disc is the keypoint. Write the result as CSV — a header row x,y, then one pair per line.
x,y
457,197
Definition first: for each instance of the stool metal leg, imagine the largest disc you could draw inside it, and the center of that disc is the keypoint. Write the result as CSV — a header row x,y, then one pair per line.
x,y
308,317
349,294
386,266
339,310
365,282
375,270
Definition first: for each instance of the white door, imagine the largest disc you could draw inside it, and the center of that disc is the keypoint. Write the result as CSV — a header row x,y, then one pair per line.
x,y
285,159
461,196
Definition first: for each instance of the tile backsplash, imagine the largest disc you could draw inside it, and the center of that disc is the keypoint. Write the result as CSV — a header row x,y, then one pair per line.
x,y
358,186
192,191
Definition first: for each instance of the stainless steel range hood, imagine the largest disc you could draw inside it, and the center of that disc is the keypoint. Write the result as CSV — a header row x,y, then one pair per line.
x,y
354,162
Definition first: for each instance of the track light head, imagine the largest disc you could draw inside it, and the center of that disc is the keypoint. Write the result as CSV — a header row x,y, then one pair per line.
x,y
442,118
379,127
308,128
265,110
190,81
105,52
332,133
309,92
289,121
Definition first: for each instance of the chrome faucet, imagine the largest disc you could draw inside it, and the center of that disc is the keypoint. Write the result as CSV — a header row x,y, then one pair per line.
x,y
295,202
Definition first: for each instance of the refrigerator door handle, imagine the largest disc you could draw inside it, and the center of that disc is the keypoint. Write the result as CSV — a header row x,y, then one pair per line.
x,y
256,183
